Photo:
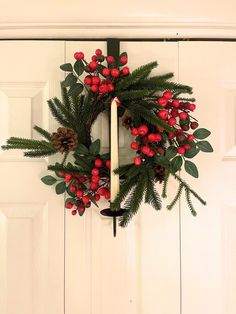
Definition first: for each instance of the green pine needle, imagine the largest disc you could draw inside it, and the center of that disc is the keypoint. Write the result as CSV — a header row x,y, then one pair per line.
x,y
43,132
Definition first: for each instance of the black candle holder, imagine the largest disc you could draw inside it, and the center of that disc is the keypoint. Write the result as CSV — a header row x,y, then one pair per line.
x,y
108,212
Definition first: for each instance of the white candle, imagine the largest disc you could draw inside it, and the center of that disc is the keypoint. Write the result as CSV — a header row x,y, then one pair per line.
x,y
114,147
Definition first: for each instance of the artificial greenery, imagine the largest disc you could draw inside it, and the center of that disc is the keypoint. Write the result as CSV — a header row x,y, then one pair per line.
x,y
141,96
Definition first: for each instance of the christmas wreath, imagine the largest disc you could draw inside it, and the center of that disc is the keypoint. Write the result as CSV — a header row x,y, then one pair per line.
x,y
165,135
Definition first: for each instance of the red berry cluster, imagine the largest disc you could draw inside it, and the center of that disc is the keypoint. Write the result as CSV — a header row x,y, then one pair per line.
x,y
85,188
176,113
101,78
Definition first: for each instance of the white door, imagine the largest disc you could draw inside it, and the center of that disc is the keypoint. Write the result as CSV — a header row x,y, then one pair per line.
x,y
209,241
31,216
139,270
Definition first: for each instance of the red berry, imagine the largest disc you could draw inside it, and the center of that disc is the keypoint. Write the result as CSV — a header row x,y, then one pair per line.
x,y
172,121
171,135
79,193
151,153
80,209
181,150
106,72
134,145
162,101
158,137
110,59
168,94
137,161
94,88
183,115
88,80
93,185
95,179
115,72
125,71
68,177
163,114
74,212
79,55
191,137
98,163
97,197
123,60
154,137
175,103
142,130
174,113
86,199
134,131
160,128
98,52
107,195
94,58
101,191
145,150
73,188
103,89
95,172
110,87
192,107
194,125
96,80
108,164
187,146
69,205
93,65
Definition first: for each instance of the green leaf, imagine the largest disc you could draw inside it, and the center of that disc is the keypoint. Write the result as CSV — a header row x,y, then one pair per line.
x,y
93,200
171,152
191,168
79,67
69,80
49,180
82,149
60,187
201,133
123,54
190,153
205,146
81,212
176,163
69,199
161,160
95,147
75,89
100,68
66,67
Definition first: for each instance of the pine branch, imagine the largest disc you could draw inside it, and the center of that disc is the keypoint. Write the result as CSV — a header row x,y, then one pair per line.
x,y
133,202
23,143
133,95
136,76
57,115
43,132
149,116
177,197
175,87
165,183
65,98
66,169
152,196
39,153
189,188
65,112
189,202
125,189
154,81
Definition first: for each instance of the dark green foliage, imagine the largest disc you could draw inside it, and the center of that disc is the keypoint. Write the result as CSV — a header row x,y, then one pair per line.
x,y
136,76
60,188
176,198
133,201
201,133
164,186
176,163
48,180
191,168
43,132
205,146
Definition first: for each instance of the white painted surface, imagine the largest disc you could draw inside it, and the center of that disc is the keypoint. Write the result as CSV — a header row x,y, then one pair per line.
x,y
31,217
208,241
139,271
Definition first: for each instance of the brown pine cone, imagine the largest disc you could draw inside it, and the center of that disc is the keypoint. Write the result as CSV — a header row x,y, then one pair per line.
x,y
64,140
127,121
159,173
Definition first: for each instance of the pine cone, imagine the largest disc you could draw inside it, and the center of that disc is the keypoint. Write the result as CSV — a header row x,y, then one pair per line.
x,y
64,140
160,173
127,121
